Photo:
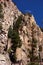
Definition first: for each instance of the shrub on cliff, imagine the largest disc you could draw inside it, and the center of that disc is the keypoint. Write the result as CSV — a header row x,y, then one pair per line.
x,y
0,26
10,32
17,25
15,39
1,11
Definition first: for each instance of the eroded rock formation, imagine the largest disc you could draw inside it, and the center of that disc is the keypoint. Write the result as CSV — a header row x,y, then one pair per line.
x,y
11,12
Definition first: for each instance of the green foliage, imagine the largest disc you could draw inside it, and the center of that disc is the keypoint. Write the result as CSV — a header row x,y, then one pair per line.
x,y
14,35
12,56
1,13
0,10
17,25
33,63
40,48
0,26
32,56
33,47
15,40
1,16
9,50
34,40
36,63
10,32
1,7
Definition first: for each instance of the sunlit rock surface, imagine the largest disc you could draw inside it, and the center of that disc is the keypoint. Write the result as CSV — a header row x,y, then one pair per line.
x,y
11,13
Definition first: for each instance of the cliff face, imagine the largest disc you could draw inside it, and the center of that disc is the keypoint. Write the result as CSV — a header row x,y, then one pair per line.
x,y
10,13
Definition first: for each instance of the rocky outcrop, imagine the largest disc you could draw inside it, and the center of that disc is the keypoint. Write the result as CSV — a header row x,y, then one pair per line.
x,y
26,36
11,12
4,60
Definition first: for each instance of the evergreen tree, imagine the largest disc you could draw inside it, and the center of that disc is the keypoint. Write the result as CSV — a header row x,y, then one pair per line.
x,y
15,39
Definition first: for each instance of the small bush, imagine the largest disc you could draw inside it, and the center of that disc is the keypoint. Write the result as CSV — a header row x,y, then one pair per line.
x,y
15,39
1,13
0,26
12,57
9,50
1,16
33,63
40,48
10,32
1,6
17,24
34,40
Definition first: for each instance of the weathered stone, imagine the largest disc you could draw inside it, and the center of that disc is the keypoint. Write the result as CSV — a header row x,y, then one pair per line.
x,y
11,13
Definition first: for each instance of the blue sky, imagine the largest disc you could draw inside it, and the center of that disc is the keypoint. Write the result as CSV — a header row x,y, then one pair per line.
x,y
35,7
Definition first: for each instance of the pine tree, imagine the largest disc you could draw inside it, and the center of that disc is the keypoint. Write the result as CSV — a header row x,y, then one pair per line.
x,y
15,39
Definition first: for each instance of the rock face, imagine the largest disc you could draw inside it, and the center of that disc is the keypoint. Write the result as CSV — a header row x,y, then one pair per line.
x,y
11,12
4,60
26,36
